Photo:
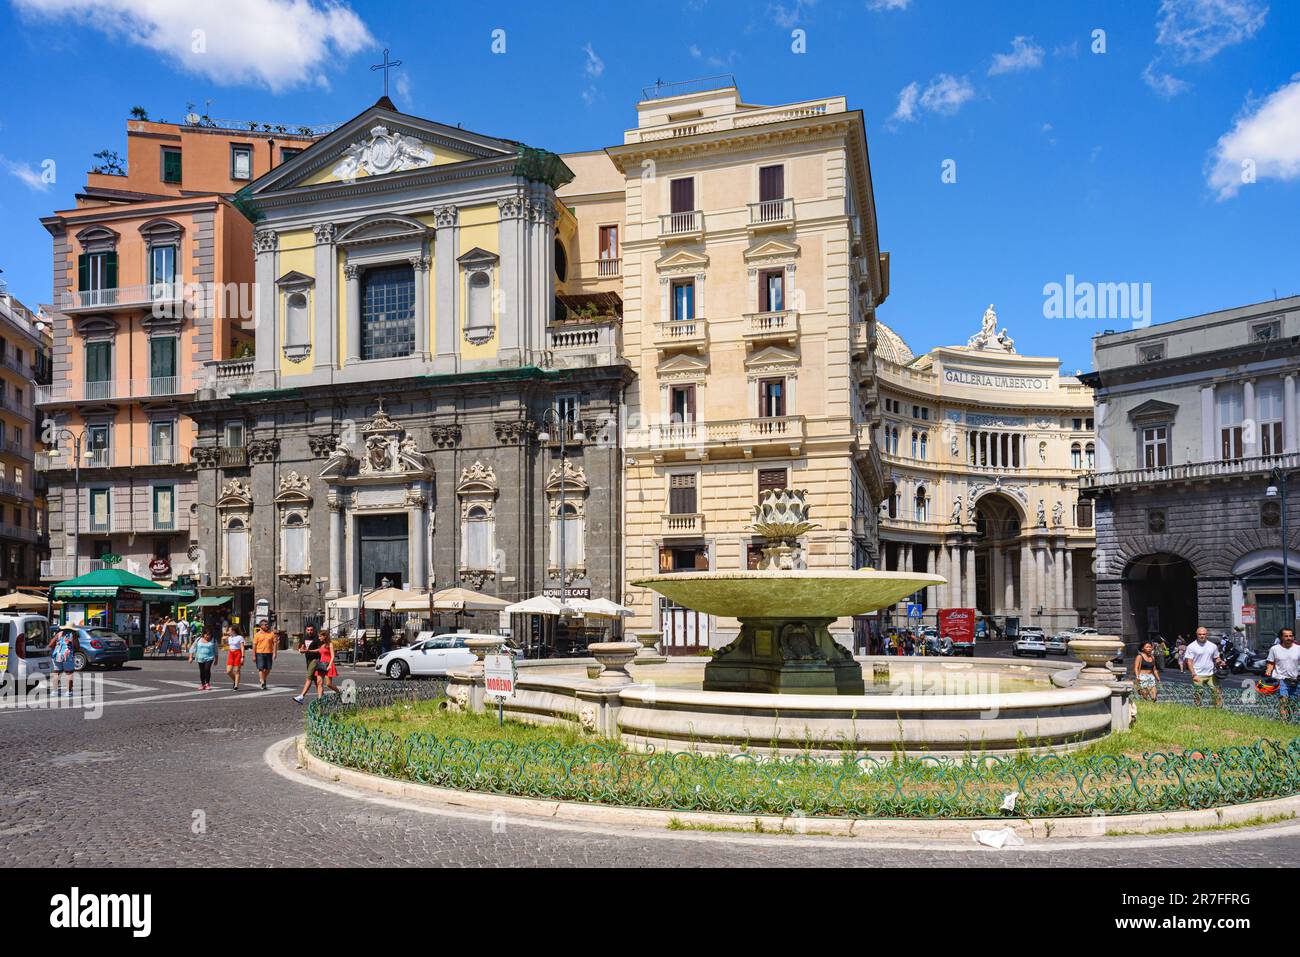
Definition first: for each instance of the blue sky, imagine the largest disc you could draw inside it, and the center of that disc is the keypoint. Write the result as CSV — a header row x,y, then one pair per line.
x,y
1117,166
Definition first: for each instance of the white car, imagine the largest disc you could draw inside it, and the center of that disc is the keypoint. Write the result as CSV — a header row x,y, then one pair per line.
x,y
24,650
1030,642
433,656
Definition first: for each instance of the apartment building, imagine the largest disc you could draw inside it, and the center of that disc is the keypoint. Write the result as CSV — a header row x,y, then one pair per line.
x,y
24,365
750,271
153,276
1197,437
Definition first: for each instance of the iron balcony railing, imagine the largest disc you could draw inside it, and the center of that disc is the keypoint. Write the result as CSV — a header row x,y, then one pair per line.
x,y
1190,472
122,297
112,389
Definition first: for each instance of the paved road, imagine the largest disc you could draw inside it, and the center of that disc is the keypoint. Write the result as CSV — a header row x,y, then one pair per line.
x,y
167,775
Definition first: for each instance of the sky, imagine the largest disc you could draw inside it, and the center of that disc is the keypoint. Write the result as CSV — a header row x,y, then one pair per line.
x,y
1017,148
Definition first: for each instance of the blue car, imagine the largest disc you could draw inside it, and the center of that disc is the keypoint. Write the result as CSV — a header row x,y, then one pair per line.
x,y
99,648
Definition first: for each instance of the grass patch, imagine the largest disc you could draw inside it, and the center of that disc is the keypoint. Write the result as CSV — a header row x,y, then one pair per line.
x,y
1178,728
757,827
428,717
1256,821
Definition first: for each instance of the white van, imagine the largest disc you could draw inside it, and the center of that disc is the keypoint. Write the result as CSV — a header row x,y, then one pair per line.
x,y
24,650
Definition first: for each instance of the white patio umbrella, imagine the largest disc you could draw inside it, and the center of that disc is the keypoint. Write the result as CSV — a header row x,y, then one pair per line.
x,y
463,599
606,608
17,600
537,605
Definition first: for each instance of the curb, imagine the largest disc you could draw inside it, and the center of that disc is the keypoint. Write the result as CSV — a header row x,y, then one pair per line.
x,y
1037,829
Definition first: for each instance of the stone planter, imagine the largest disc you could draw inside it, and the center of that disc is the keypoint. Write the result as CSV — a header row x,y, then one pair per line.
x,y
482,647
648,653
614,656
1096,651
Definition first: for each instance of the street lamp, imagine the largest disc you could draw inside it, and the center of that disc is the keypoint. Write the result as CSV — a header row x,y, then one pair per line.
x,y
553,421
1277,490
75,438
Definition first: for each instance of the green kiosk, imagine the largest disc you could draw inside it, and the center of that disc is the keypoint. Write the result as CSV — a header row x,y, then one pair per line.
x,y
120,600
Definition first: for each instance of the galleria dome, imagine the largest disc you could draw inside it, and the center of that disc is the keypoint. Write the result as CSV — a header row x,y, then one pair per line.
x,y
891,347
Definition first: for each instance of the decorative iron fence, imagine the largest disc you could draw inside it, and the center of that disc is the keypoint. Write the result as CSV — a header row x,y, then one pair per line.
x,y
1236,694
906,786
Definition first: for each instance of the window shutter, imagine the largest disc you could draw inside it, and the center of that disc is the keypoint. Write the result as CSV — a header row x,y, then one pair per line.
x,y
683,195
83,272
771,183
110,270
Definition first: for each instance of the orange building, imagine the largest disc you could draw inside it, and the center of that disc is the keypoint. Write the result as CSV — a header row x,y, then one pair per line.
x,y
153,277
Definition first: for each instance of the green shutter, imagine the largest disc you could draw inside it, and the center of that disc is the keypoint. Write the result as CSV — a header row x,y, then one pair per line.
x,y
83,272
110,270
97,356
162,358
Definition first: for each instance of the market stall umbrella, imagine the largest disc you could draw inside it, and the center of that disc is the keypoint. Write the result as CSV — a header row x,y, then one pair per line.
x,y
463,599
537,605
393,599
18,600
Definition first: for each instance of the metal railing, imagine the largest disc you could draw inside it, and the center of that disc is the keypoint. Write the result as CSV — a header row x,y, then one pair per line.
x,y
112,389
808,109
65,568
122,297
1191,472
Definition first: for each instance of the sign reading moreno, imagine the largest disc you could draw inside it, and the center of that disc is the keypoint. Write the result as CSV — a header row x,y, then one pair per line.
x,y
1032,383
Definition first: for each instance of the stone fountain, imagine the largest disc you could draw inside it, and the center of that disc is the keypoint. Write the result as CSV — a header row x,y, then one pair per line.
x,y
786,609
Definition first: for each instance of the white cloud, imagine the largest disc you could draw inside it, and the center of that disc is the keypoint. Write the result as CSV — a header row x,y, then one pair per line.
x,y
907,99
1024,55
595,65
1267,140
788,17
945,95
888,4
1164,84
26,173
1194,31
278,44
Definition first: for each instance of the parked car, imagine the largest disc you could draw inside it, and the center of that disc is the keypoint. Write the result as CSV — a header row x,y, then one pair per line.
x,y
1059,643
1030,642
24,650
433,656
99,648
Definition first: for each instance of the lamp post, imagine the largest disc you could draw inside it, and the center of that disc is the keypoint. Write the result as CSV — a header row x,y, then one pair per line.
x,y
1277,489
554,419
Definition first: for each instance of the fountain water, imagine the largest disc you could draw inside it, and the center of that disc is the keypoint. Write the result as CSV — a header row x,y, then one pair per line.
x,y
786,609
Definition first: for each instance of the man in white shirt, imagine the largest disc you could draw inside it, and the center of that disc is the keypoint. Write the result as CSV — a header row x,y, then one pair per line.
x,y
1284,664
1203,657
183,632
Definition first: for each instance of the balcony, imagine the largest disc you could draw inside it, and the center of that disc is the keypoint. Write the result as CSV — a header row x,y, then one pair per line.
x,y
13,489
606,267
20,449
688,225
18,532
154,387
679,525
12,361
61,569
232,456
775,435
581,344
690,334
771,214
116,457
157,294
1190,473
863,341
807,109
11,403
780,326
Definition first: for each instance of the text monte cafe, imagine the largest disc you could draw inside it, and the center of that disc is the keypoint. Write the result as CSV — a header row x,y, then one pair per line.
x,y
118,600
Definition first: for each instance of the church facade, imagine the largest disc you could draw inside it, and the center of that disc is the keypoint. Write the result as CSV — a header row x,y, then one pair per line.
x,y
418,412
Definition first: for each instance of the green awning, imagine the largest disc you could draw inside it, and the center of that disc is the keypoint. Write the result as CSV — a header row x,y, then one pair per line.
x,y
210,601
168,594
84,594
103,583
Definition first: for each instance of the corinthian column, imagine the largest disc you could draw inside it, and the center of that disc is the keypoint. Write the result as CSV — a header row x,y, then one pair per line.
x,y
336,547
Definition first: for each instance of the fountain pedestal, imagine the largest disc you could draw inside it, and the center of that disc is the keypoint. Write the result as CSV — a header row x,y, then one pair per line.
x,y
784,656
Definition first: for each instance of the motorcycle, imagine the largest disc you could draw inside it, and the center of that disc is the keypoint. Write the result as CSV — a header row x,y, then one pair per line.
x,y
1247,660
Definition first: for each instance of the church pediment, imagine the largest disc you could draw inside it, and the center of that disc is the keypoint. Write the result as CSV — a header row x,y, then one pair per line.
x,y
772,250
682,261
381,228
381,142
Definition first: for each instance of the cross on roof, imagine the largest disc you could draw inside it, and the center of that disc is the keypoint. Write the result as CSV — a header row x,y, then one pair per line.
x,y
386,66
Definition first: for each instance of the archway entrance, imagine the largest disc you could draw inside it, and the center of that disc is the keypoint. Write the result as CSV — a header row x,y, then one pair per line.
x,y
1159,597
997,535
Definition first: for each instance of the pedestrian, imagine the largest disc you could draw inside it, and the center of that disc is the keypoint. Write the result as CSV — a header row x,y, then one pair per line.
x,y
1180,649
310,647
325,667
1203,657
1283,663
183,633
171,640
1146,669
385,636
234,654
64,656
204,652
265,647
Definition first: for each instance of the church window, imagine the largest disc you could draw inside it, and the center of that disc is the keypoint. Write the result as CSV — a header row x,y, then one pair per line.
x,y
388,312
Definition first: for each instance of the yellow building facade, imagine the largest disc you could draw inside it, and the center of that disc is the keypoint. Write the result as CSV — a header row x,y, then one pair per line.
x,y
749,270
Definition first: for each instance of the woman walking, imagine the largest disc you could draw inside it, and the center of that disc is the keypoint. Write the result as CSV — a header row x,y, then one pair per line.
x,y
1147,671
204,651
234,654
326,664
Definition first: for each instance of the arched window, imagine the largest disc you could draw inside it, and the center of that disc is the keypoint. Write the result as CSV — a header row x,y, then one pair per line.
x,y
914,445
573,527
296,329
1089,455
925,441
478,538
294,545
237,564
561,261
1076,456
922,506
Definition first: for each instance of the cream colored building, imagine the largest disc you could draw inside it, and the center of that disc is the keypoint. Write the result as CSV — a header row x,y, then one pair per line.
x,y
984,449
749,269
